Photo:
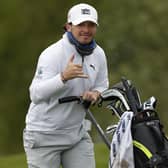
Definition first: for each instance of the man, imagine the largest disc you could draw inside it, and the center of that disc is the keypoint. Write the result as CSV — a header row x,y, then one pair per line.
x,y
55,134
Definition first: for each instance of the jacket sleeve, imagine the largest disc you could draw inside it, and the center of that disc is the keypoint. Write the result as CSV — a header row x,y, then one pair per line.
x,y
47,80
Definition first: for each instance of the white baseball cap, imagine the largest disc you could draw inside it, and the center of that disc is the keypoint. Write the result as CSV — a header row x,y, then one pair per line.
x,y
81,13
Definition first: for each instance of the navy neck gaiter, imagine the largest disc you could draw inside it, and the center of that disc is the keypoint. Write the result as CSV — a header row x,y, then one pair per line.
x,y
83,49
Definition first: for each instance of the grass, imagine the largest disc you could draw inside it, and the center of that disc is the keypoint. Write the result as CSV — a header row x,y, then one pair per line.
x,y
19,160
14,161
102,155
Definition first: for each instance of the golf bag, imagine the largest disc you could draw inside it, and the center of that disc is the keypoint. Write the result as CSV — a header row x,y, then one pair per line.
x,y
150,145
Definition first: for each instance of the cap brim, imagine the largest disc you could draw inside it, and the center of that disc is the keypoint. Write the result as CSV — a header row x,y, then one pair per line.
x,y
80,20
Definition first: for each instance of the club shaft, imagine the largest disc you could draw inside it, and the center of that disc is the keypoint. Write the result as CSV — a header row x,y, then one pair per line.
x,y
98,128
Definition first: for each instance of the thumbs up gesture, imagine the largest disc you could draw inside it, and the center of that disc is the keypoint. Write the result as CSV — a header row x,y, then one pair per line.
x,y
73,70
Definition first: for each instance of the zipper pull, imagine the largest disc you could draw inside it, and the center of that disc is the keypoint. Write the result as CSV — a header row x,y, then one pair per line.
x,y
82,60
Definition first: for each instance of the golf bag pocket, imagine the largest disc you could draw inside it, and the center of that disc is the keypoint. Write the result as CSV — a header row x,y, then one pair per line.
x,y
150,143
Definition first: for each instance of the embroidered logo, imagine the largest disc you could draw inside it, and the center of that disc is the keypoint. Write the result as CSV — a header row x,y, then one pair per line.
x,y
85,11
39,72
92,66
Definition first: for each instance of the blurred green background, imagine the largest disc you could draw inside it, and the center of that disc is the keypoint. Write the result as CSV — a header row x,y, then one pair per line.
x,y
133,34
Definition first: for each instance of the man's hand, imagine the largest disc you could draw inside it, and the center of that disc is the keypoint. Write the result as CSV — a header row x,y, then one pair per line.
x,y
92,96
73,70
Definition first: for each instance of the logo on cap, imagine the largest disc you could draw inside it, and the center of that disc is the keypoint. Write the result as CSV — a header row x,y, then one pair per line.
x,y
85,11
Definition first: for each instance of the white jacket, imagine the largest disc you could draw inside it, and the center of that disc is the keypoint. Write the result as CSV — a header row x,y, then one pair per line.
x,y
45,113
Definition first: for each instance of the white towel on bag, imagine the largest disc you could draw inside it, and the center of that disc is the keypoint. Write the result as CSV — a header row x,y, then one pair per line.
x,y
121,154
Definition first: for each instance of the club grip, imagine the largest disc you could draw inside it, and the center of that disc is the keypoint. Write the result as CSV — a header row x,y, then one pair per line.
x,y
68,99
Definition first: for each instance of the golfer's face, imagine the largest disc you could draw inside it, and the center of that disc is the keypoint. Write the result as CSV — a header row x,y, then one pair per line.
x,y
84,32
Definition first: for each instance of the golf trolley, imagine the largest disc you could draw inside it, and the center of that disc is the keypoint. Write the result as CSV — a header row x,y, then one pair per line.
x,y
150,145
